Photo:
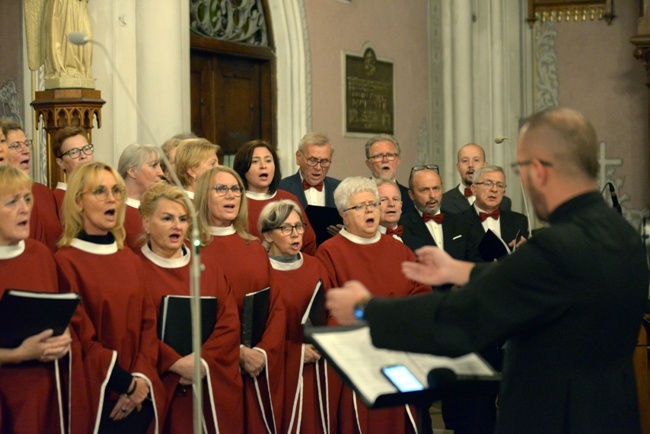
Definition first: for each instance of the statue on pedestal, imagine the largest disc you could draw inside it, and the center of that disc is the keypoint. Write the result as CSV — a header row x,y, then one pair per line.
x,y
47,24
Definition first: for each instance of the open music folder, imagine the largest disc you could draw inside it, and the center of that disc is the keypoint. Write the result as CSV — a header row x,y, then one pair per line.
x,y
349,350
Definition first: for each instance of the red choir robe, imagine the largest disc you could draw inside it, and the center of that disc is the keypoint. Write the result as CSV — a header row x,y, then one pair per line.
x,y
305,403
224,396
375,262
59,195
257,202
116,322
247,268
44,223
30,397
133,225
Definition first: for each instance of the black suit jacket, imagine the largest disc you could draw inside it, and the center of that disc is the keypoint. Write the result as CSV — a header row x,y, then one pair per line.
x,y
454,233
454,201
569,302
510,223
407,203
293,184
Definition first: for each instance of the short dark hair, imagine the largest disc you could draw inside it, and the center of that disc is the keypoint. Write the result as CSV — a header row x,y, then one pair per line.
x,y
63,134
244,157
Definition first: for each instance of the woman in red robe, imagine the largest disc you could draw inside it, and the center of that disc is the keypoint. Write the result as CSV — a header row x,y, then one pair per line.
x,y
30,396
116,322
166,260
297,275
140,168
257,164
360,252
222,217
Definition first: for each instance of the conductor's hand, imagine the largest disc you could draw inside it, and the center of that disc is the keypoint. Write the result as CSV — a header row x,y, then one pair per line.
x,y
516,243
251,361
341,301
436,267
311,355
334,229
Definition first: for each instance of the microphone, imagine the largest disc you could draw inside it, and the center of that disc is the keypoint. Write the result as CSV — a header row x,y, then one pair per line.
x,y
498,140
615,204
79,38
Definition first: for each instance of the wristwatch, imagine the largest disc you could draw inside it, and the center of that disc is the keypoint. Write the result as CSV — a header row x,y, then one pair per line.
x,y
360,308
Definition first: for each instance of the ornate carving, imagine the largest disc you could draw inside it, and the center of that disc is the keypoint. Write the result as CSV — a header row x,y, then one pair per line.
x,y
576,11
10,102
546,80
230,20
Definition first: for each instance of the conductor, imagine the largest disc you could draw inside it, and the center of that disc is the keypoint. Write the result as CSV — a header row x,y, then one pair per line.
x,y
569,301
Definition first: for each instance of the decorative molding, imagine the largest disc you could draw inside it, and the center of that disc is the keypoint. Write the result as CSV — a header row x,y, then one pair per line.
x,y
567,11
546,77
10,102
242,21
425,149
435,131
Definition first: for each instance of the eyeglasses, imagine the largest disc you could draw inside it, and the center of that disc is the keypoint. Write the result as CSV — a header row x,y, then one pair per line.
x,y
222,190
288,229
19,146
490,184
517,165
433,167
75,153
101,192
389,156
363,206
313,162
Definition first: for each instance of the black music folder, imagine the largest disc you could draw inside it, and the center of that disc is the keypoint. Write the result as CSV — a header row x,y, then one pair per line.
x,y
492,247
349,350
27,313
175,325
320,217
316,313
254,316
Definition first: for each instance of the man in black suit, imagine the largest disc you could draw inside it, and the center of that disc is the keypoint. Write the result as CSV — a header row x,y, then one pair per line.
x,y
425,225
471,157
382,158
310,184
489,188
569,301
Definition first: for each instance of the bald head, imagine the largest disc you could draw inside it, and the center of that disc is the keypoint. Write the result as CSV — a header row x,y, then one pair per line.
x,y
564,137
471,157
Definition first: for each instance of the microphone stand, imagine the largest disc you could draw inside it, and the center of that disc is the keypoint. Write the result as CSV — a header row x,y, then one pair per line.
x,y
78,38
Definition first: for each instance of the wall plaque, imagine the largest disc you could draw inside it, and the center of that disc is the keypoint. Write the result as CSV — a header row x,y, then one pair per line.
x,y
369,107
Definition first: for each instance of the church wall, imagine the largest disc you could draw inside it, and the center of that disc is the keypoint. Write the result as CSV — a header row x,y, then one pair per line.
x,y
598,75
397,33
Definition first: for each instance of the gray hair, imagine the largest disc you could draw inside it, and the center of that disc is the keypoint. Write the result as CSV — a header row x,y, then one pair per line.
x,y
351,186
274,214
316,139
382,181
382,138
134,156
488,169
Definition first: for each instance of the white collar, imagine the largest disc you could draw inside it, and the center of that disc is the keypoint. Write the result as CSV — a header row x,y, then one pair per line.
x,y
10,252
222,232
96,249
133,203
286,266
259,196
62,186
360,240
164,262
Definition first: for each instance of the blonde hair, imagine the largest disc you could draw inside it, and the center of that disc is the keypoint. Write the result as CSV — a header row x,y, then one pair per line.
x,y
202,205
190,153
84,180
153,196
13,179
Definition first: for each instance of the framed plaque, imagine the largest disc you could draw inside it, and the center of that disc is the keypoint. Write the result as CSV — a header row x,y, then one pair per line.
x,y
369,95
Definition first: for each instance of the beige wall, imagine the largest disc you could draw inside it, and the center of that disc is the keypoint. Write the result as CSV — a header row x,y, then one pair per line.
x,y
599,76
398,33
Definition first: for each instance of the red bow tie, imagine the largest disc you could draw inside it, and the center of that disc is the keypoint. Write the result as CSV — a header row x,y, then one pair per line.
x,y
307,186
494,214
468,192
399,231
436,218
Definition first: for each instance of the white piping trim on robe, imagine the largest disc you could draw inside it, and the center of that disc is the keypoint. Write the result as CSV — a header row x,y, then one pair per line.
x,y
298,395
59,397
211,393
259,394
102,391
70,381
324,413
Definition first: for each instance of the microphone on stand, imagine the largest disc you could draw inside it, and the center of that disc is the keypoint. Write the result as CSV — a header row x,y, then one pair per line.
x,y
79,38
615,204
498,140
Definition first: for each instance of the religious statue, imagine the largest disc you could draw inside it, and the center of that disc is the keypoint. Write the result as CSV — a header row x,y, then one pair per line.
x,y
48,23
